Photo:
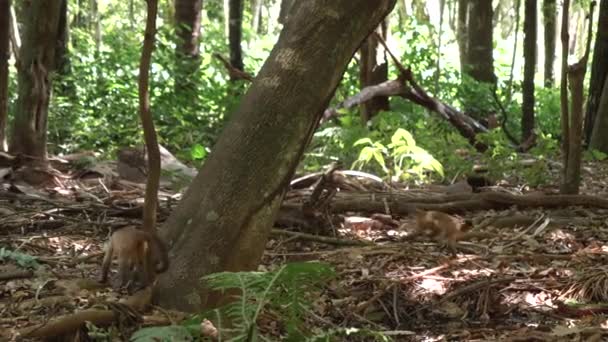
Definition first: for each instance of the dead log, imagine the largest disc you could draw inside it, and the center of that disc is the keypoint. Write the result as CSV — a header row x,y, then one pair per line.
x,y
403,203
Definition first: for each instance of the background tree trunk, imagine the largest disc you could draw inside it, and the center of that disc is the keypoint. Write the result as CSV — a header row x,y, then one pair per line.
x,y
235,33
550,21
5,53
462,33
256,15
15,37
599,72
563,91
374,70
188,29
218,226
480,61
37,58
599,138
62,62
527,117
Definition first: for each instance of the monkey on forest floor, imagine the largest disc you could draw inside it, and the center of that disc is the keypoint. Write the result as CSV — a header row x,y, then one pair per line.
x,y
444,228
141,255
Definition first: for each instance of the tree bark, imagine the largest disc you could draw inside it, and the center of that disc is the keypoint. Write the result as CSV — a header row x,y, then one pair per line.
x,y
550,21
373,70
527,118
235,33
37,59
462,33
188,30
5,53
599,74
62,62
220,227
599,138
285,9
480,61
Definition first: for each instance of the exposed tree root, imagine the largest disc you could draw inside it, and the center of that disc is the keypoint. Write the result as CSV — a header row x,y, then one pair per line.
x,y
70,323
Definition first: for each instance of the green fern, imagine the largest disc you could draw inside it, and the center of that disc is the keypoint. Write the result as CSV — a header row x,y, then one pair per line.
x,y
286,291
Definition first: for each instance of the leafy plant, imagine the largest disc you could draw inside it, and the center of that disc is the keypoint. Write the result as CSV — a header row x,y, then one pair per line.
x,y
23,260
502,159
162,334
407,159
286,290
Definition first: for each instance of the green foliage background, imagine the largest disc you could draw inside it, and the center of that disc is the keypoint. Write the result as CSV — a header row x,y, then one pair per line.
x,y
95,105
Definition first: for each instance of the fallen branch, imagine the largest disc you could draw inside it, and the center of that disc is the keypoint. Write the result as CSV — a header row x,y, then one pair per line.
x,y
404,202
18,274
323,239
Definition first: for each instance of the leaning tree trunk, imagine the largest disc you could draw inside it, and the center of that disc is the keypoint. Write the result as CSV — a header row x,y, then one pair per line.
x,y
224,219
527,117
37,60
188,29
599,73
5,53
373,70
550,21
480,61
235,33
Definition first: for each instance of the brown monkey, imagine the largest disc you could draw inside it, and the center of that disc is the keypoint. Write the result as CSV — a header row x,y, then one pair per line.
x,y
444,228
139,253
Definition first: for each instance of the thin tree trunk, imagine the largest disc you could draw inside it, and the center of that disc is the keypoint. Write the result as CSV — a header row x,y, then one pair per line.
x,y
235,33
34,78
514,55
373,70
227,19
527,118
576,77
188,29
15,37
131,13
565,115
97,22
462,33
256,15
599,72
218,226
550,20
439,42
5,54
152,183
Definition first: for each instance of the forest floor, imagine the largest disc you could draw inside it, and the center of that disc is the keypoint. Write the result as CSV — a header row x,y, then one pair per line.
x,y
539,274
